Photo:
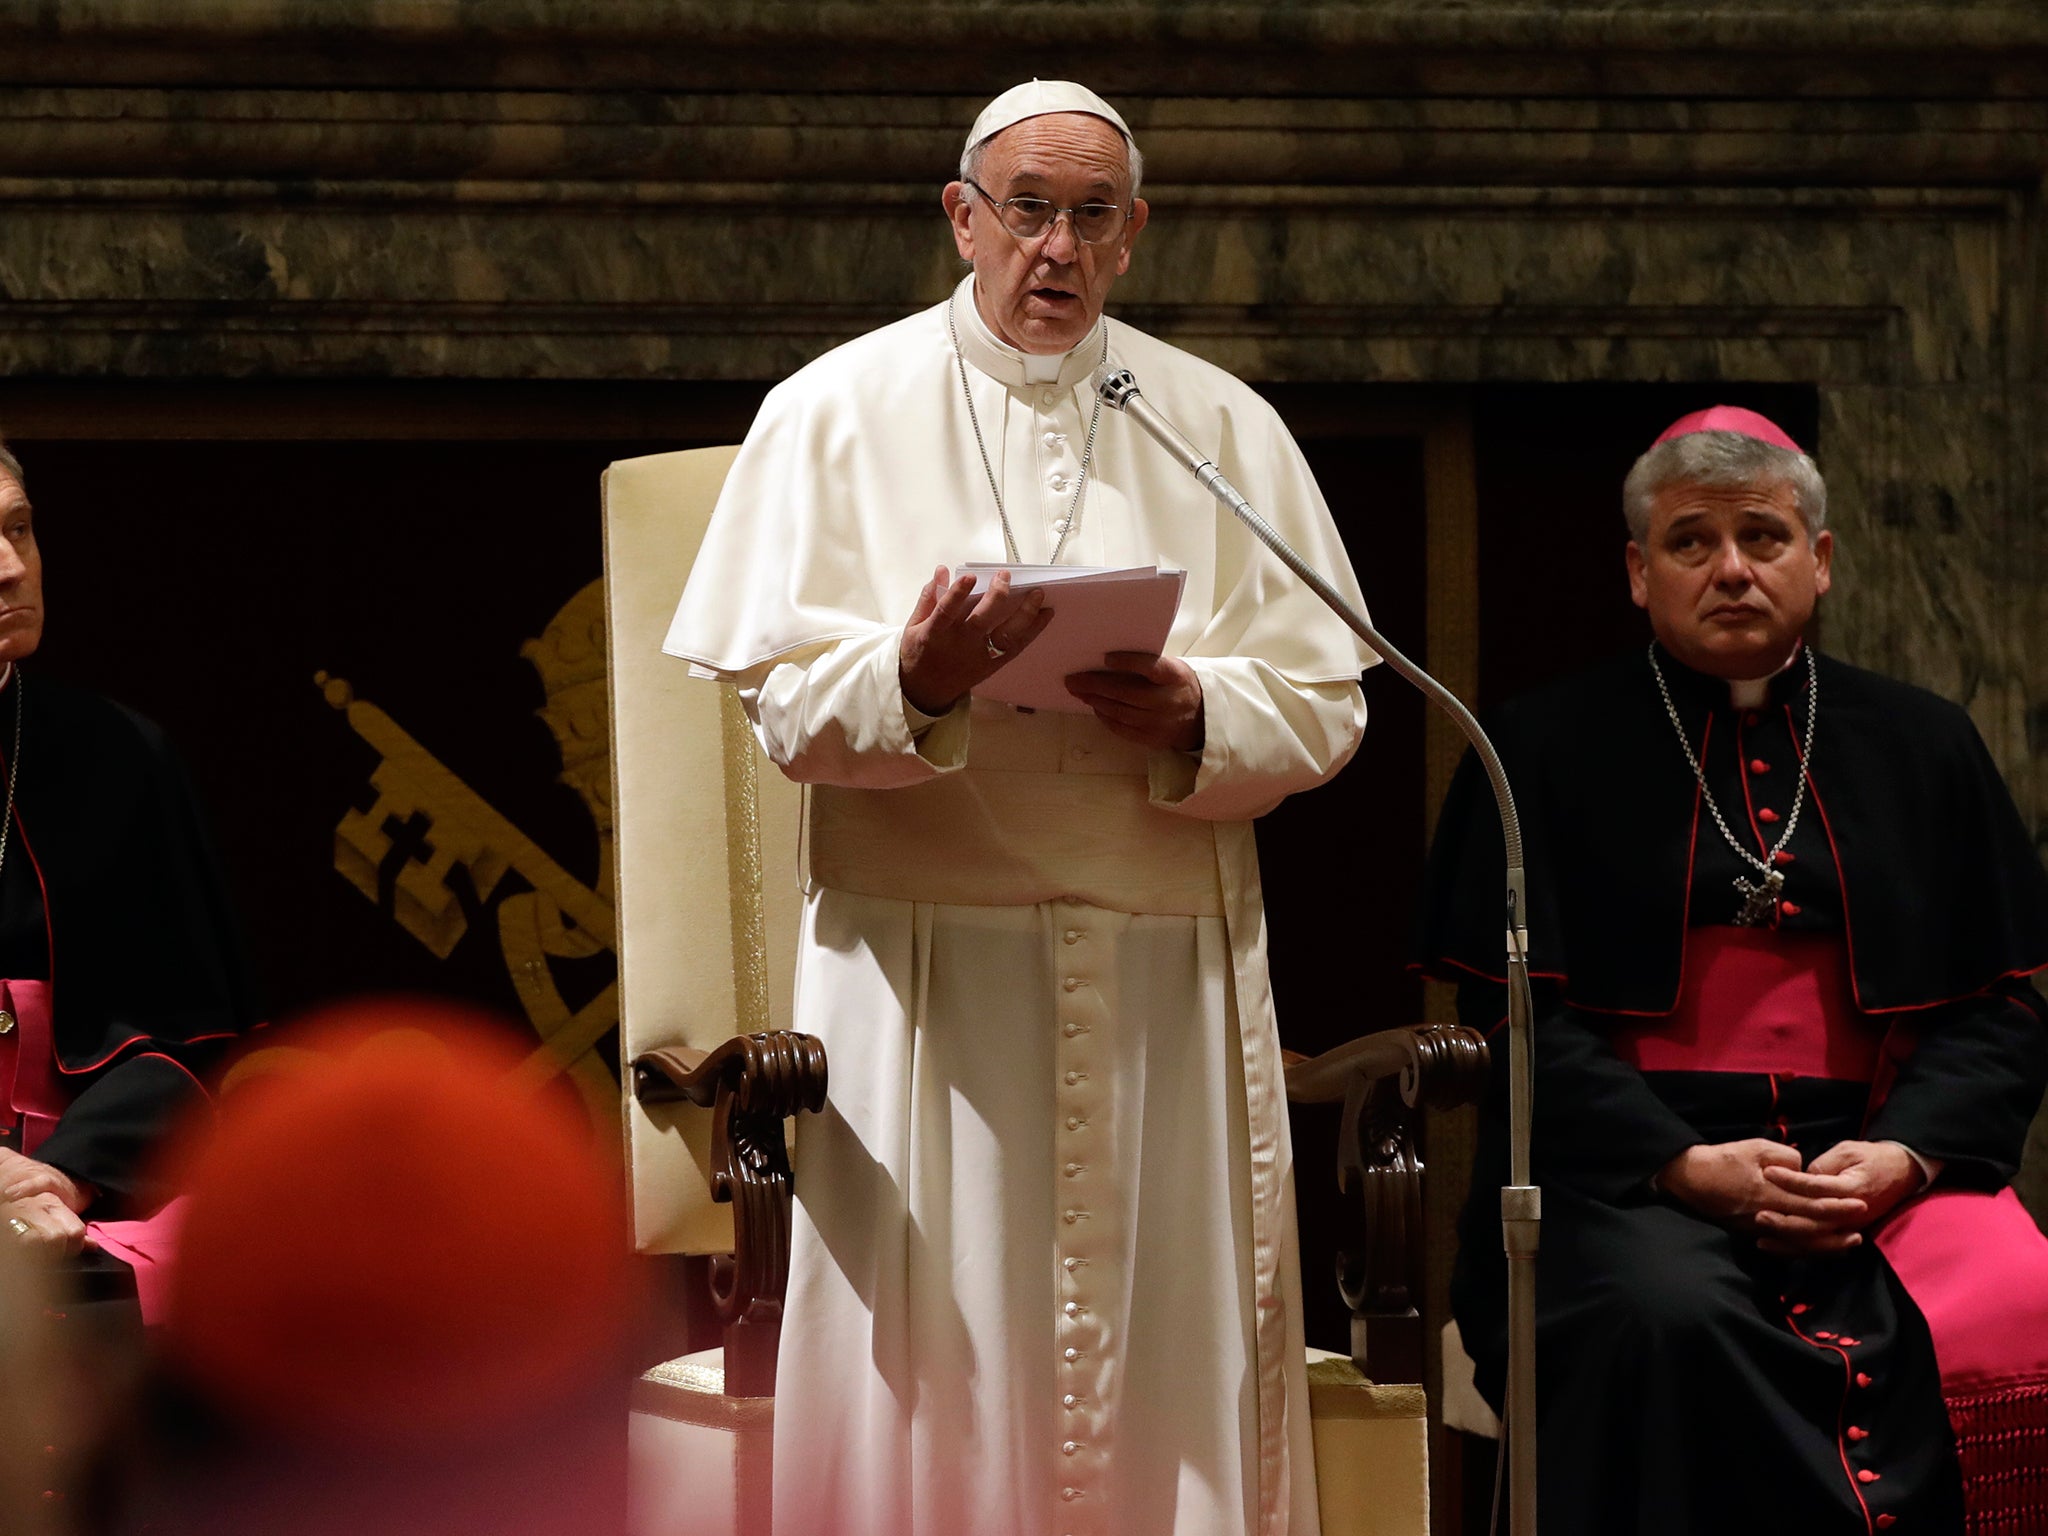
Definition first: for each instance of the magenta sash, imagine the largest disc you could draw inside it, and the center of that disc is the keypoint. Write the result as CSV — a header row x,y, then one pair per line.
x,y
1978,1267
150,1248
34,1095
1757,1001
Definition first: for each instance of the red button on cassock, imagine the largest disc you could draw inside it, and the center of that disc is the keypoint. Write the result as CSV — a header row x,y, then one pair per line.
x,y
1789,908
1758,765
1857,1432
1782,856
1866,1476
1862,1378
1798,1308
1767,815
1886,1522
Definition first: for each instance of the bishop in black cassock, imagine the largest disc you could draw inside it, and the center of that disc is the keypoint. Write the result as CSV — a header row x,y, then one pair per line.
x,y
1783,1283
122,974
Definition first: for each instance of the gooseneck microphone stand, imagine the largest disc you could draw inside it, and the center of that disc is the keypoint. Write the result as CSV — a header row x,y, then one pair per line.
x,y
1521,1202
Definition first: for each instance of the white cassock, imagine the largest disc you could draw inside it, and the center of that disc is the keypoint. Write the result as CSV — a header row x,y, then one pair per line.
x,y
1044,1276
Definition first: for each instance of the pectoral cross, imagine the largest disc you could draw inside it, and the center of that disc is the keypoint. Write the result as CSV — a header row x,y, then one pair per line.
x,y
1760,897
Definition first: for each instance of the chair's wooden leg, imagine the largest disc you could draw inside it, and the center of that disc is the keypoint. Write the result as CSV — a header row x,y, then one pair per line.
x,y
753,1473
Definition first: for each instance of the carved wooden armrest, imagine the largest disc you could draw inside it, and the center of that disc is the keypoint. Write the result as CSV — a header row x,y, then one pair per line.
x,y
1440,1065
751,1084
1385,1080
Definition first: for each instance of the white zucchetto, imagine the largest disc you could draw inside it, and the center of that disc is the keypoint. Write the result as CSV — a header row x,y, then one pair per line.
x,y
1035,98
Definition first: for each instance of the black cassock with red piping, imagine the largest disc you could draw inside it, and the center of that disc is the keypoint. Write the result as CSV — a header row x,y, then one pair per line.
x,y
112,894
1689,1380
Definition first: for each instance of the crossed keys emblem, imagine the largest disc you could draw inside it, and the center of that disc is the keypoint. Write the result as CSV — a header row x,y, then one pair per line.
x,y
442,852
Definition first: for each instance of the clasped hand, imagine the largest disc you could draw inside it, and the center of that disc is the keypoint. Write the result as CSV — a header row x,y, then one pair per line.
x,y
954,642
43,1199
21,1177
44,1224
1760,1185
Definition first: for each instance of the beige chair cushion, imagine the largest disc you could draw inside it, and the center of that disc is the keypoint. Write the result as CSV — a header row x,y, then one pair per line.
x,y
1372,1451
698,1462
707,843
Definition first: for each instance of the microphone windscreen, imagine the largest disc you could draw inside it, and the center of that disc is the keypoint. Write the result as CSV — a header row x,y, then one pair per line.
x,y
1115,383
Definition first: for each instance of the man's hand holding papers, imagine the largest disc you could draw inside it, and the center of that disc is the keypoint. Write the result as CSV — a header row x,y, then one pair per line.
x,y
1155,701
963,631
1111,627
971,633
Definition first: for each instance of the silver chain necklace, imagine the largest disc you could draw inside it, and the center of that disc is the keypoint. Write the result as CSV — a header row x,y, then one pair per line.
x,y
1759,896
1072,520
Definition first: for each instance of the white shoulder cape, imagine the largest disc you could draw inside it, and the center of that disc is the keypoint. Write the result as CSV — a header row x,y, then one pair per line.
x,y
861,474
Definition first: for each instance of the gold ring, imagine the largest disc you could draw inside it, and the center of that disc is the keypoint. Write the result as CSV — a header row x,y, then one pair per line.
x,y
995,652
20,1227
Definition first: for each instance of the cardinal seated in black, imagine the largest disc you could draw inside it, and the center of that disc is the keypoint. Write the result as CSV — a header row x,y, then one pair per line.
x,y
121,972
1782,915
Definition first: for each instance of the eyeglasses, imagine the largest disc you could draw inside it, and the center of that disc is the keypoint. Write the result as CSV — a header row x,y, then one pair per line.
x,y
1030,217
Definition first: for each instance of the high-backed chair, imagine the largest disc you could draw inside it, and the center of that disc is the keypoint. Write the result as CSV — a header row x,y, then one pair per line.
x,y
708,901
708,905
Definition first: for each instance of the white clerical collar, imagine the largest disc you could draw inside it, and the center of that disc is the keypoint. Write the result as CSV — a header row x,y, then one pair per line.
x,y
1755,692
1012,368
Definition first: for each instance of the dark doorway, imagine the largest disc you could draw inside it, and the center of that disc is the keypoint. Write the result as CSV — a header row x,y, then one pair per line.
x,y
1340,865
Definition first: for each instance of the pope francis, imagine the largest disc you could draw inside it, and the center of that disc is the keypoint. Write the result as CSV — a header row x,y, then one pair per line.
x,y
1044,1274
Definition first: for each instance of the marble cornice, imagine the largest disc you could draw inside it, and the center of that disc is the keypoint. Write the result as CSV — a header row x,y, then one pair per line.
x,y
744,341
409,229
746,281
1763,25
1974,48
919,200
1856,323
490,143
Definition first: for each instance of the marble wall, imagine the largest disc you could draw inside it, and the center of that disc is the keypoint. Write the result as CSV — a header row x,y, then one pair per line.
x,y
1846,194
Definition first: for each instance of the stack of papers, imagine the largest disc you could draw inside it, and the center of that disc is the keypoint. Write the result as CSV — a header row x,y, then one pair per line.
x,y
1096,610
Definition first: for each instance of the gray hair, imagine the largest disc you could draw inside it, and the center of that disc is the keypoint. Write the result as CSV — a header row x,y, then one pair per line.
x,y
1728,460
9,464
970,158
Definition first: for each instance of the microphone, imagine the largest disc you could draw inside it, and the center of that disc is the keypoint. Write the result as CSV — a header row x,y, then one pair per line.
x,y
1119,387
1521,1200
